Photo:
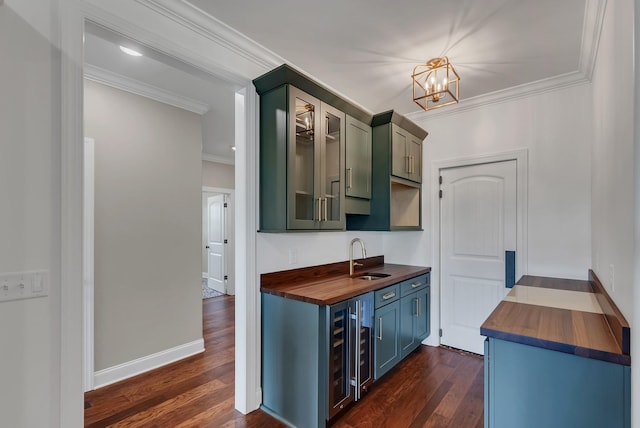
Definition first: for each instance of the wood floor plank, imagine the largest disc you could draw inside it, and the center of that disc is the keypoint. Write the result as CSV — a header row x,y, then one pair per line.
x,y
432,387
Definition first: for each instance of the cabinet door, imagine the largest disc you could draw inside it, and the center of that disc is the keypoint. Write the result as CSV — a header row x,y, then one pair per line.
x,y
386,348
304,118
408,312
422,320
330,161
414,153
399,156
358,159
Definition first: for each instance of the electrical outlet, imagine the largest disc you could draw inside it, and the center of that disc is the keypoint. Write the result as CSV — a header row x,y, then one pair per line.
x,y
23,285
612,277
293,256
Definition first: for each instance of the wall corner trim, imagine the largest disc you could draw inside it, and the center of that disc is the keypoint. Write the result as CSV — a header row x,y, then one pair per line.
x,y
144,364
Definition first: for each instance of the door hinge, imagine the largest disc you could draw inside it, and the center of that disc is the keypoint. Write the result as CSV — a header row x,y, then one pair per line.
x,y
440,179
440,332
226,277
441,194
225,241
225,205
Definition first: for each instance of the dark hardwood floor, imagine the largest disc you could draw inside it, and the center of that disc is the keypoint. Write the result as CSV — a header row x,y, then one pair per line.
x,y
433,387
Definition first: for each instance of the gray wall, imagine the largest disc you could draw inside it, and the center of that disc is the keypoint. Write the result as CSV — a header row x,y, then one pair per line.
x,y
147,224
219,175
29,217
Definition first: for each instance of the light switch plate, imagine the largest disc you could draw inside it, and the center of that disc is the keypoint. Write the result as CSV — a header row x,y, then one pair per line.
x,y
23,285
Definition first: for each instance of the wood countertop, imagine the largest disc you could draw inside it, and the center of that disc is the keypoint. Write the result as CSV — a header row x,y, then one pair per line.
x,y
331,283
563,315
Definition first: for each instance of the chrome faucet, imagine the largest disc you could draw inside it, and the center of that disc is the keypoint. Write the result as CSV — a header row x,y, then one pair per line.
x,y
352,263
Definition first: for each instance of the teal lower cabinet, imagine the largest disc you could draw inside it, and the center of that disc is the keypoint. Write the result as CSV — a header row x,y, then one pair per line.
x,y
401,321
386,348
414,320
316,360
527,386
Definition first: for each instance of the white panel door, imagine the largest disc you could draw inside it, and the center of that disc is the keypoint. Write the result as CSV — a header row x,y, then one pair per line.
x,y
477,226
215,242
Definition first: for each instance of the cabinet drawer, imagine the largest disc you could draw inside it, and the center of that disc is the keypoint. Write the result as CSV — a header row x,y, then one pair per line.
x,y
414,284
387,295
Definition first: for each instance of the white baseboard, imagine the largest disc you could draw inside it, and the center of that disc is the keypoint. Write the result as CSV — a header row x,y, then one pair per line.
x,y
205,275
135,367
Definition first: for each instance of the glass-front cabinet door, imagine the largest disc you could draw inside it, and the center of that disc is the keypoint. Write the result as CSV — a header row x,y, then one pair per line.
x,y
304,118
315,163
332,168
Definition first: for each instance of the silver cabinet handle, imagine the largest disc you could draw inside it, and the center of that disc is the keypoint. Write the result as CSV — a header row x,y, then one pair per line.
x,y
357,348
326,202
417,307
319,218
380,325
349,178
407,164
416,284
388,295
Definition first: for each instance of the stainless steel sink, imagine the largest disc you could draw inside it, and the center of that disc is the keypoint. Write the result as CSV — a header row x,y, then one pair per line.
x,y
372,276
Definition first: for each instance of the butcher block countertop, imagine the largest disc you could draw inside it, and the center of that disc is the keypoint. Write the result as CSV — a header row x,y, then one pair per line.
x,y
331,283
571,316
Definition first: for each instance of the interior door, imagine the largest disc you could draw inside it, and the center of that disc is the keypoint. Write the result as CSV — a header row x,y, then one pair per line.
x,y
215,242
477,226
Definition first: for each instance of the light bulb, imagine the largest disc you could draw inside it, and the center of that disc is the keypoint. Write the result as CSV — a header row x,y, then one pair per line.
x,y
130,51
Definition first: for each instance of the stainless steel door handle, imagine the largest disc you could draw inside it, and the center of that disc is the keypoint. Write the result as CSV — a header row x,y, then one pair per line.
x,y
356,354
380,326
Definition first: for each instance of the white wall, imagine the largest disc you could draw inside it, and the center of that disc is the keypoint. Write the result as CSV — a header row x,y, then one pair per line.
x,y
614,192
635,332
312,248
613,163
29,219
147,225
554,128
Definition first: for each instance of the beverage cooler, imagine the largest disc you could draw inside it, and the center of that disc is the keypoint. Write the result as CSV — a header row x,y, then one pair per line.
x,y
350,351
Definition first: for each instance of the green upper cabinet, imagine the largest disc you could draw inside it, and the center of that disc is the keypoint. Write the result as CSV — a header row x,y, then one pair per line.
x,y
358,166
396,159
406,154
315,173
302,153
301,146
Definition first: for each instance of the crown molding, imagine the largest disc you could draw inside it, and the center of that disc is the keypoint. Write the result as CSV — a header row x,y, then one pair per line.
x,y
504,95
133,86
218,159
206,25
593,18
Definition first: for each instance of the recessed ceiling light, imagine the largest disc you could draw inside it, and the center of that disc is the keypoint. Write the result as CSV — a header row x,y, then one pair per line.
x,y
129,51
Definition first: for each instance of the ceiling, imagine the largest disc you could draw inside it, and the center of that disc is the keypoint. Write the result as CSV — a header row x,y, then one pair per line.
x,y
366,50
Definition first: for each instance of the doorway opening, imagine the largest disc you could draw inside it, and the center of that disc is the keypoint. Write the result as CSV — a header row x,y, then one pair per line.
x,y
112,74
